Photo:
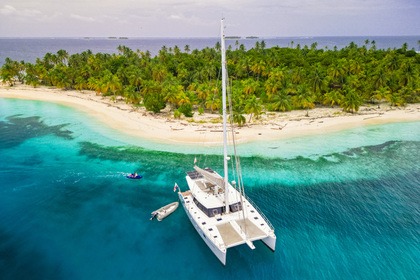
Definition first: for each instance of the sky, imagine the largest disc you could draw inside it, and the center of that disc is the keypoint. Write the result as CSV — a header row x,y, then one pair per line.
x,y
201,18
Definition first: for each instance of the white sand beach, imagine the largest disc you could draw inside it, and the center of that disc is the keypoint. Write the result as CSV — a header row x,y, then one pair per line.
x,y
206,128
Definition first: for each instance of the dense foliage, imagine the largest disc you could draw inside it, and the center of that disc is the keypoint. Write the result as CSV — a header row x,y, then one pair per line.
x,y
273,79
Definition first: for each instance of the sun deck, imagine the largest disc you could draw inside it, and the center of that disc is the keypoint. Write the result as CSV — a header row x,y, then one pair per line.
x,y
229,235
250,229
239,231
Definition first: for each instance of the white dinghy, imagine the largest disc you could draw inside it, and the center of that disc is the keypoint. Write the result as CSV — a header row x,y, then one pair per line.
x,y
164,211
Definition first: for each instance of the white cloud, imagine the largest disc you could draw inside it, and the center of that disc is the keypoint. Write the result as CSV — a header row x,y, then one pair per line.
x,y
7,10
176,17
82,18
200,17
32,15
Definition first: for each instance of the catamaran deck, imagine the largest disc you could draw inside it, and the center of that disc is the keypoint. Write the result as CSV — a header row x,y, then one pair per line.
x,y
229,235
245,230
251,230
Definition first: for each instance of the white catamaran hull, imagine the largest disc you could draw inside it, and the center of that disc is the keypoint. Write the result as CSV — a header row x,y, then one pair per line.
x,y
220,254
219,232
270,241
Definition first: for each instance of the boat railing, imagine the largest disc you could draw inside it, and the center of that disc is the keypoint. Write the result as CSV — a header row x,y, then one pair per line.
x,y
259,211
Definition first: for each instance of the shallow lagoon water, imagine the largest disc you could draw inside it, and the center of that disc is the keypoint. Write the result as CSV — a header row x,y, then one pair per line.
x,y
345,205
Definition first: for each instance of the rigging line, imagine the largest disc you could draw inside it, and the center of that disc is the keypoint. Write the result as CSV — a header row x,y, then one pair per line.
x,y
240,188
239,185
235,175
214,96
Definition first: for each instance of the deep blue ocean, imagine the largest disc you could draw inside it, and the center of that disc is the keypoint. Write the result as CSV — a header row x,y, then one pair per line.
x,y
344,205
28,49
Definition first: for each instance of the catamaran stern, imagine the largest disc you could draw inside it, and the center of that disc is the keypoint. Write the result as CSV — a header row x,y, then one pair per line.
x,y
270,241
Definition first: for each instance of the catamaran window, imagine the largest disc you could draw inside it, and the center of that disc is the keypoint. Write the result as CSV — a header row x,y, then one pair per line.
x,y
209,212
235,207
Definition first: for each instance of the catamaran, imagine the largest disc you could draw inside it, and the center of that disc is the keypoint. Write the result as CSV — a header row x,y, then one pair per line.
x,y
220,211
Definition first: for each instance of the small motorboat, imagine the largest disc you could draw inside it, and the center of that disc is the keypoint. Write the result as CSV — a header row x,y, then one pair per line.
x,y
134,176
164,211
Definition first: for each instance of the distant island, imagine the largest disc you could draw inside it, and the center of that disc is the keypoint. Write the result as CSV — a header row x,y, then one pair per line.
x,y
239,37
115,38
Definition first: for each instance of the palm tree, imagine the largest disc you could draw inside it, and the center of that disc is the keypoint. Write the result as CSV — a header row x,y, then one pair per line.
x,y
407,72
303,98
373,43
316,78
392,61
202,91
253,107
280,101
367,42
336,73
237,105
258,68
351,101
380,94
135,79
275,79
159,73
395,98
172,94
297,75
62,56
379,78
153,98
10,71
238,118
95,84
114,85
250,86
31,77
131,95
213,102
333,97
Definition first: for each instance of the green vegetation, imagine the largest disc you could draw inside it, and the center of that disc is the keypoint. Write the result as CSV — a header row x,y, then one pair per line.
x,y
274,79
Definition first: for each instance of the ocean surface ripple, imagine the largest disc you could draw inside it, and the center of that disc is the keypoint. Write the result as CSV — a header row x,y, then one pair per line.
x,y
68,212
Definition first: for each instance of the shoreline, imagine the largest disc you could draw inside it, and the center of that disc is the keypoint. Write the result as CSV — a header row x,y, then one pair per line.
x,y
206,128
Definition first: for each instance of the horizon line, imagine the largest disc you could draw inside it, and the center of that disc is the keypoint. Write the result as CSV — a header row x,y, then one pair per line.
x,y
230,37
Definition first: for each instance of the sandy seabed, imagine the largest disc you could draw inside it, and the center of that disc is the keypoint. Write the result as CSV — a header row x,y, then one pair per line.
x,y
207,128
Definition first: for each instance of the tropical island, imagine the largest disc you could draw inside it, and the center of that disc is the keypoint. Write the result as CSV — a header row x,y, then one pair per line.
x,y
182,88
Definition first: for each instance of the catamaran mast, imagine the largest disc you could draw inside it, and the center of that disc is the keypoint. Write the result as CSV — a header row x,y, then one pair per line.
x,y
225,154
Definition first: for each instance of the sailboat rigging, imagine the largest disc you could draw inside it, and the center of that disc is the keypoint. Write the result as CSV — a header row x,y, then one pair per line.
x,y
220,211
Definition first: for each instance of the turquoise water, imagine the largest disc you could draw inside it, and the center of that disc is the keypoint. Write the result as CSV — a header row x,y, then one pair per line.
x,y
345,205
